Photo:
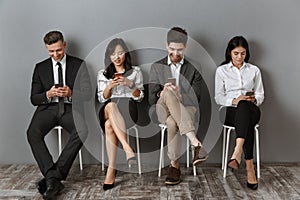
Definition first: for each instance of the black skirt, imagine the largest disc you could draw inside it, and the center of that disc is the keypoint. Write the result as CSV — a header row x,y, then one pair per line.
x,y
127,108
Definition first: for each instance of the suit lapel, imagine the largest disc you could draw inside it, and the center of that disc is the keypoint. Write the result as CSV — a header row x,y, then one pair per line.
x,y
49,76
166,70
69,70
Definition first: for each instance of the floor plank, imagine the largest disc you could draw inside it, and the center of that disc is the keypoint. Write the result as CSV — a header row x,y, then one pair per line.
x,y
278,181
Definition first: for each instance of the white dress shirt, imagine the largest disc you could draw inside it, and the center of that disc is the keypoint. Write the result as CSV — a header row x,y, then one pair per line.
x,y
231,82
175,69
55,74
121,90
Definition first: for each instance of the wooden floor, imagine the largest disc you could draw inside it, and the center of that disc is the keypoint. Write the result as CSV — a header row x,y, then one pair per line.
x,y
278,181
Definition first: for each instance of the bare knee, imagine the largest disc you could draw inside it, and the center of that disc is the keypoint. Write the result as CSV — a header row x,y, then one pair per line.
x,y
111,107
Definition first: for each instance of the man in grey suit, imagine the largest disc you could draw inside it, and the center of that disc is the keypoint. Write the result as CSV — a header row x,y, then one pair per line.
x,y
57,83
175,87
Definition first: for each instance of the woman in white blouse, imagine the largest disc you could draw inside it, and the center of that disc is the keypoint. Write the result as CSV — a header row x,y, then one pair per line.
x,y
119,85
239,87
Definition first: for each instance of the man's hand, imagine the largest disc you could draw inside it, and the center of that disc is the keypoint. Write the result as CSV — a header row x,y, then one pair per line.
x,y
173,88
64,91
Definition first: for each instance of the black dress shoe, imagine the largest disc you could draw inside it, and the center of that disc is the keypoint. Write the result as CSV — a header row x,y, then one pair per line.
x,y
41,186
108,186
253,186
54,186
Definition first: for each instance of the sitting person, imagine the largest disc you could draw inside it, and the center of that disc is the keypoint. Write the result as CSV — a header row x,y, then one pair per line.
x,y
239,87
52,91
172,80
119,83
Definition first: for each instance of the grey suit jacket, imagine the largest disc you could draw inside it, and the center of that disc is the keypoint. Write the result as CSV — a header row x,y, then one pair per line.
x,y
190,82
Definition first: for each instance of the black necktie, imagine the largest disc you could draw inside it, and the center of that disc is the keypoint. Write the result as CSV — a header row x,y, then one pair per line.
x,y
60,99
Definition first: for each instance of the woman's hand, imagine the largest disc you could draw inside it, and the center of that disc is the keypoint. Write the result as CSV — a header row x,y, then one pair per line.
x,y
126,82
251,98
114,82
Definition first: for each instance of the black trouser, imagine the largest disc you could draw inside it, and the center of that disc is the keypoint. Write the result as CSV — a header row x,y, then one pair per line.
x,y
42,122
244,117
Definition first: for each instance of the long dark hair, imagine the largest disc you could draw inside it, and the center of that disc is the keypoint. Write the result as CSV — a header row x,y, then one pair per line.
x,y
237,41
110,69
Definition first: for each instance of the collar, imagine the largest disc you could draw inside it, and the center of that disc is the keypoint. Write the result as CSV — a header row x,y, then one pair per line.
x,y
230,65
62,61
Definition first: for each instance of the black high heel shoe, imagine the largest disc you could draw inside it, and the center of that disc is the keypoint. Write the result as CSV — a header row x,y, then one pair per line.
x,y
109,186
233,164
253,186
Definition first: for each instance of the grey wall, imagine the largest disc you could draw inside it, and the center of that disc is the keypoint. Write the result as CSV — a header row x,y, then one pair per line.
x,y
271,27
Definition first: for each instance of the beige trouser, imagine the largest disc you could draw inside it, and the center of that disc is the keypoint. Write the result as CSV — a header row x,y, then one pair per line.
x,y
177,117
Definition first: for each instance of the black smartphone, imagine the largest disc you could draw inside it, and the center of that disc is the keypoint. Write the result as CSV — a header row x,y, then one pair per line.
x,y
249,93
58,85
172,80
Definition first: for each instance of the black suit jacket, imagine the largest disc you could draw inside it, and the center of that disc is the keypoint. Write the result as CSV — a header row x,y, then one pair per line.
x,y
191,81
43,80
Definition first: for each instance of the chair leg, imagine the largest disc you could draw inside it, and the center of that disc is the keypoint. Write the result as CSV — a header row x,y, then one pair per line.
x,y
161,150
257,152
138,149
187,153
102,151
80,160
59,130
226,153
223,151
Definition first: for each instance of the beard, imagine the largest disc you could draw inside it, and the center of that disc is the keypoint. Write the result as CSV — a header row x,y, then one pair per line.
x,y
175,58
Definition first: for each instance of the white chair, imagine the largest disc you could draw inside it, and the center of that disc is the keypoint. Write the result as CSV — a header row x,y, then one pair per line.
x,y
137,148
226,138
163,128
59,132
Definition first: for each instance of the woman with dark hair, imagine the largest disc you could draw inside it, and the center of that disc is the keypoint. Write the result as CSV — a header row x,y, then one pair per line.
x,y
239,87
119,84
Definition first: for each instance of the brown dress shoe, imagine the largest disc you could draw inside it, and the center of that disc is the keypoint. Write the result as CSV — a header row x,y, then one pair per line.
x,y
200,155
173,177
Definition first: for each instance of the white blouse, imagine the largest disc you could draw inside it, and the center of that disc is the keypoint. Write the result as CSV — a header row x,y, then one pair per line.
x,y
231,82
121,90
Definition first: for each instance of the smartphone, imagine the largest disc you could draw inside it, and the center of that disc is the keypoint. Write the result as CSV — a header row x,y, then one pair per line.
x,y
249,93
172,80
118,75
58,85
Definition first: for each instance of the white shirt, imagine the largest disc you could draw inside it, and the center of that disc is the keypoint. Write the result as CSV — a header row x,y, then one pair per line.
x,y
175,69
55,74
231,82
121,90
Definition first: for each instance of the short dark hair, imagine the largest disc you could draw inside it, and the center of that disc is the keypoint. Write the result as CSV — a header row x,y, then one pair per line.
x,y
237,41
53,37
177,35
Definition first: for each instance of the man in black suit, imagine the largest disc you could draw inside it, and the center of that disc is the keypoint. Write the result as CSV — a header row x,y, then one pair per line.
x,y
53,91
175,87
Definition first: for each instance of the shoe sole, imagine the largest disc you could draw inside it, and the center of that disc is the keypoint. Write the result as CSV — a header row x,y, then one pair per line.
x,y
61,187
172,183
196,162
